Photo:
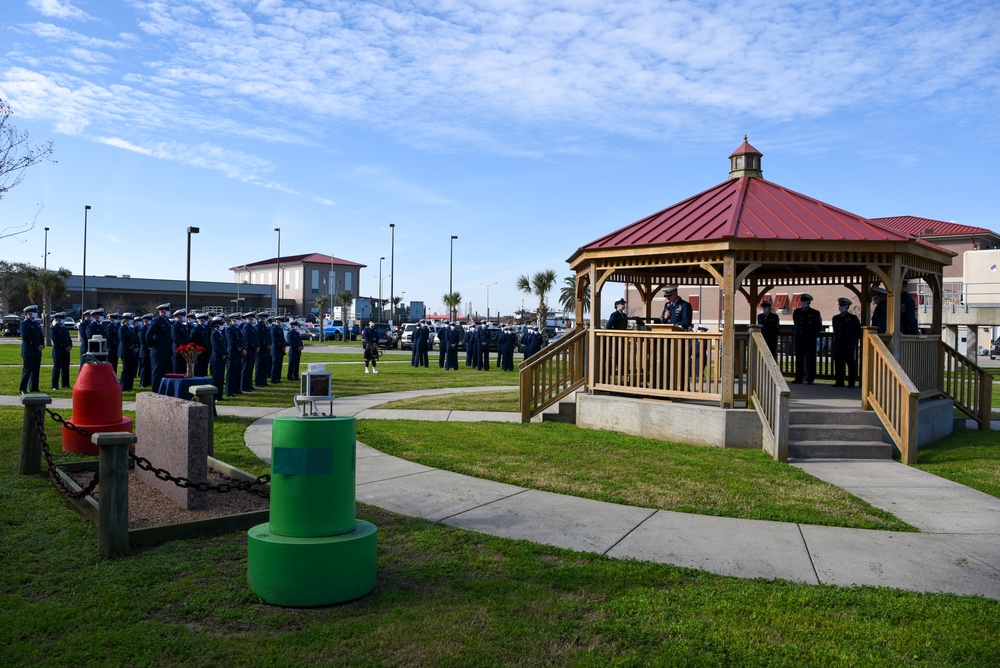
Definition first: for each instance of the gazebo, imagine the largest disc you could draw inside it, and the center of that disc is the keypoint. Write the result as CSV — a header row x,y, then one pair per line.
x,y
748,236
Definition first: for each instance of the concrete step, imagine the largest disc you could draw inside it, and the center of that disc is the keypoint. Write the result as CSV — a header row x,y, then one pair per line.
x,y
839,450
565,412
833,416
834,432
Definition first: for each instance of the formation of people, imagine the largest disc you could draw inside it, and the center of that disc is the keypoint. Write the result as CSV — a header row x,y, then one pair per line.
x,y
246,353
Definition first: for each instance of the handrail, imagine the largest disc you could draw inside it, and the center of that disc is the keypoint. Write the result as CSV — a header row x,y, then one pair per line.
x,y
671,365
769,395
887,390
552,374
968,385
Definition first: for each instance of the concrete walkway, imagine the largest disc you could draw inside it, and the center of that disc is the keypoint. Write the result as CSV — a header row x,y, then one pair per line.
x,y
957,551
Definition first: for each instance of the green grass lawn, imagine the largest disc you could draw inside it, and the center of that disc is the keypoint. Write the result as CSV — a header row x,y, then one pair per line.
x,y
443,597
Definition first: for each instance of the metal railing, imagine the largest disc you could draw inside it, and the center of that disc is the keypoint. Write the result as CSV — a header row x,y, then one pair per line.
x,y
968,385
552,374
769,395
887,390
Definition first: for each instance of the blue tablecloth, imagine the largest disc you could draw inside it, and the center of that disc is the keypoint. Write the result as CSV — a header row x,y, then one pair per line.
x,y
179,387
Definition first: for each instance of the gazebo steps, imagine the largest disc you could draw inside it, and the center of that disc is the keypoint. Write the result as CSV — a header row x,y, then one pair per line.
x,y
564,411
836,434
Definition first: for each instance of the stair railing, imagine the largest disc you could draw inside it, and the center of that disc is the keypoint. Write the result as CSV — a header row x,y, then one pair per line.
x,y
552,374
968,385
887,390
769,395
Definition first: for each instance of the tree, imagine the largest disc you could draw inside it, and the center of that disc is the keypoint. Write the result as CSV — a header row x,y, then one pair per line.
x,y
396,309
17,153
567,296
43,286
452,300
538,285
13,285
321,303
346,298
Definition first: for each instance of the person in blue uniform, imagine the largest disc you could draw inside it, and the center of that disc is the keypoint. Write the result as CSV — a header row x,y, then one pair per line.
x,y
278,347
846,336
442,335
676,311
907,311
507,344
179,336
263,368
201,335
110,332
532,342
878,313
450,339
219,356
769,322
618,319
483,336
85,331
32,344
236,348
369,339
62,345
161,350
145,363
470,345
249,330
294,349
128,351
808,325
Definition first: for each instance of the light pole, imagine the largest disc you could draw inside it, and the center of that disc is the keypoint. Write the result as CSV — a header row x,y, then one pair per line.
x,y
83,290
392,271
451,268
380,288
488,298
45,258
277,282
187,280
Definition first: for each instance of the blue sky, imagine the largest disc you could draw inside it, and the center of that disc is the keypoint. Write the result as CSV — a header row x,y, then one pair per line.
x,y
526,128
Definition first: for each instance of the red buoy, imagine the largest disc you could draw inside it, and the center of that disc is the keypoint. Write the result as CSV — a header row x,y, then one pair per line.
x,y
97,406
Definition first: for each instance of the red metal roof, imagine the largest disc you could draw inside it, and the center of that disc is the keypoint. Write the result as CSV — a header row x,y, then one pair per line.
x,y
747,208
745,149
312,258
927,227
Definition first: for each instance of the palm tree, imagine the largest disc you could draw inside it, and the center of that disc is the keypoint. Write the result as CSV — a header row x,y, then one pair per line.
x,y
321,303
538,285
396,301
43,285
567,296
452,300
346,298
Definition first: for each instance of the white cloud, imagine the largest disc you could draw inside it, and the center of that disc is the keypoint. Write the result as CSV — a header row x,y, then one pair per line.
x,y
60,9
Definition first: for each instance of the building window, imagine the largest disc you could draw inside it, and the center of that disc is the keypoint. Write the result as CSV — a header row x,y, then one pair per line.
x,y
780,301
315,281
695,302
796,300
347,281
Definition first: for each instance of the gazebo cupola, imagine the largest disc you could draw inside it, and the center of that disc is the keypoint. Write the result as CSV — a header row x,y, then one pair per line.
x,y
745,161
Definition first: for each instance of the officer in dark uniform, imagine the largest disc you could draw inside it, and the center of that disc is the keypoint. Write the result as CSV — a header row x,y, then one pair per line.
x,y
278,345
676,311
249,329
808,325
145,363
294,349
128,350
483,346
907,311
179,336
201,336
111,335
768,321
507,345
237,351
450,339
219,357
618,319
532,342
470,345
263,368
878,313
161,350
442,335
846,336
32,344
62,345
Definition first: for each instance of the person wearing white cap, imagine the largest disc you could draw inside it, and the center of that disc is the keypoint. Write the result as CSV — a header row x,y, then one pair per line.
x,y
128,351
676,312
878,313
83,331
62,347
32,344
846,336
618,319
769,323
808,325
161,350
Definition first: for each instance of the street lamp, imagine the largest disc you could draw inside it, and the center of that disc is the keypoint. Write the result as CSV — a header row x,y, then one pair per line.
x,y
277,281
83,290
392,270
488,298
187,280
451,267
380,288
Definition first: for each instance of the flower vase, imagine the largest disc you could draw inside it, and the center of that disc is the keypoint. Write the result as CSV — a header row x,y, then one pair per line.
x,y
189,371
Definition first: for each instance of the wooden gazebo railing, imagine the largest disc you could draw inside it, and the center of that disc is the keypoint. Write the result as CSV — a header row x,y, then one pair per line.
x,y
552,374
769,395
886,389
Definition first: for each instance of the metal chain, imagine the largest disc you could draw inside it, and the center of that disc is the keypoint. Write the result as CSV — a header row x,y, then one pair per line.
x,y
250,486
53,474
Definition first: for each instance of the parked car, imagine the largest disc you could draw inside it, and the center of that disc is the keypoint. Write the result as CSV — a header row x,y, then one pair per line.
x,y
406,341
333,330
12,325
309,331
386,337
995,350
69,323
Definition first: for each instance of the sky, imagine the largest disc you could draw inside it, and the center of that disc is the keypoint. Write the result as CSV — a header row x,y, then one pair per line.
x,y
527,129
